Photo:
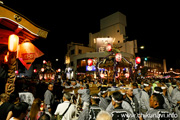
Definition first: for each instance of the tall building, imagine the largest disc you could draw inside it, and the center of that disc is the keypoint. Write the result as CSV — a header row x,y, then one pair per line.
x,y
112,26
112,31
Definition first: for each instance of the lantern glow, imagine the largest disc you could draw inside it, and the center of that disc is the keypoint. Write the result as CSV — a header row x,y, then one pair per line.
x,y
42,69
118,57
35,70
102,75
13,42
109,47
138,60
90,62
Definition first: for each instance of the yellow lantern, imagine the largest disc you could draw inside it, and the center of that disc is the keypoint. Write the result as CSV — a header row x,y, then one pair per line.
x,y
13,43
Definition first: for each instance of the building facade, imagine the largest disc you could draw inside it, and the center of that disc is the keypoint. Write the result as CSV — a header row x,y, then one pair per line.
x,y
112,31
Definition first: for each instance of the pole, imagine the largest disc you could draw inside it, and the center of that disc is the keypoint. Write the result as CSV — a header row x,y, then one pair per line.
x,y
12,64
115,69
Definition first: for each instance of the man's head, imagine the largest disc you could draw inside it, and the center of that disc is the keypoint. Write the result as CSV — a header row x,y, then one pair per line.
x,y
66,96
86,86
116,98
25,87
129,91
158,90
135,85
50,87
147,86
95,99
103,115
103,92
4,97
20,110
156,100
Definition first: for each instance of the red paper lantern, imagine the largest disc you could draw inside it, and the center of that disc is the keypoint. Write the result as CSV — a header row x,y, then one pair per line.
x,y
44,62
35,70
118,57
138,60
109,47
16,71
90,62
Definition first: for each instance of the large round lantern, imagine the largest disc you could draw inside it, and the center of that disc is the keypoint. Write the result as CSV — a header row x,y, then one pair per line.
x,y
138,60
118,57
27,52
109,47
90,62
13,42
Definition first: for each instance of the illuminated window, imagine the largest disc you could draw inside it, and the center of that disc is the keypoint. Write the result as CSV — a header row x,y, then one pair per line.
x,y
83,62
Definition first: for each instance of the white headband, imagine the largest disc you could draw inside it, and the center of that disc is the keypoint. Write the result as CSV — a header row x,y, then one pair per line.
x,y
115,100
103,91
94,97
157,92
127,88
146,84
163,88
121,87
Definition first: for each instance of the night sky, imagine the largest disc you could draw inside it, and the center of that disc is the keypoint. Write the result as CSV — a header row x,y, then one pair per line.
x,y
154,25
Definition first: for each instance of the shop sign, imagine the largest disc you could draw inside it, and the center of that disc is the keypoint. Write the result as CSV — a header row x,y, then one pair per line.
x,y
90,68
102,43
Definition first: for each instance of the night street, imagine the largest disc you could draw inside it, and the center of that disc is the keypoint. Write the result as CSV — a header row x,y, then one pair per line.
x,y
89,61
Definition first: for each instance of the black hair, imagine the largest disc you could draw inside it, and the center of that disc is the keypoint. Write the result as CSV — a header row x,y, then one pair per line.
x,y
13,97
160,99
159,89
95,100
44,117
117,96
135,84
19,108
103,88
146,83
114,84
25,87
87,86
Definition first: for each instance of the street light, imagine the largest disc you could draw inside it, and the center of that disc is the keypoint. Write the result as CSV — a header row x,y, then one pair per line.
x,y
142,47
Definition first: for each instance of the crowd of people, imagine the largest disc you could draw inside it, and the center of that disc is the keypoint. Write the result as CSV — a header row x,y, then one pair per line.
x,y
141,99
